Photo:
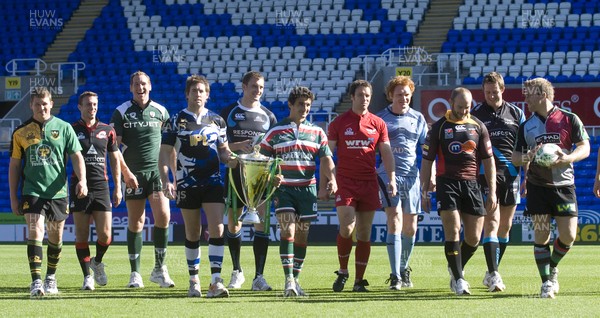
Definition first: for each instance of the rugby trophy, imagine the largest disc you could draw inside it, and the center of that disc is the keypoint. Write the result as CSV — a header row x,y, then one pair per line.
x,y
257,173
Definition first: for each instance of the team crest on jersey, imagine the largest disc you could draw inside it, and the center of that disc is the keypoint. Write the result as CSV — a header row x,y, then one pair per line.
x,y
30,136
43,152
133,115
25,206
349,132
472,131
239,116
80,136
152,114
92,150
101,135
448,133
182,124
54,134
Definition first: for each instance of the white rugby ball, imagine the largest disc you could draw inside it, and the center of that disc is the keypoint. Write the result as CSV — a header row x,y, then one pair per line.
x,y
546,155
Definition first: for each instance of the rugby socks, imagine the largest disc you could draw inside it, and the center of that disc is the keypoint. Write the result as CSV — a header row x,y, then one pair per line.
x,y
363,251
408,243
542,260
344,247
467,251
54,251
192,255
503,242
558,252
216,249
82,249
299,255
491,249
234,241
101,248
394,250
161,239
452,251
134,249
260,247
286,253
35,255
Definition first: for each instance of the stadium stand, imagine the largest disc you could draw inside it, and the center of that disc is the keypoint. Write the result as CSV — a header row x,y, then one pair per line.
x,y
548,28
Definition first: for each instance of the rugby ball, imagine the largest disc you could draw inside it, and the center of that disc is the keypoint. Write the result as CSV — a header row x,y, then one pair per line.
x,y
546,155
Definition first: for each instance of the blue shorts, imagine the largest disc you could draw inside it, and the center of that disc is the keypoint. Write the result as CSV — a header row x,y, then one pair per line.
x,y
409,193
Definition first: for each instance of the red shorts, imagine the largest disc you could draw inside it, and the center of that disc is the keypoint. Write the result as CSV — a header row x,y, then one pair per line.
x,y
363,195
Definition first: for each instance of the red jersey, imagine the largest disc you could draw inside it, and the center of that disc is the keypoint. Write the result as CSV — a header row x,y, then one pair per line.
x,y
357,137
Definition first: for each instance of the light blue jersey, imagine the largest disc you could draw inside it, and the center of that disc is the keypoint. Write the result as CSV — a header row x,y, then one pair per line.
x,y
407,132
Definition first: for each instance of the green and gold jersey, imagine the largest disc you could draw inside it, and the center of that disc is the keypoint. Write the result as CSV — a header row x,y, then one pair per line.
x,y
43,149
140,131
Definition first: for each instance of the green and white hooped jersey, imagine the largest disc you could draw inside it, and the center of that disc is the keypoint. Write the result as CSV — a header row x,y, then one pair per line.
x,y
140,131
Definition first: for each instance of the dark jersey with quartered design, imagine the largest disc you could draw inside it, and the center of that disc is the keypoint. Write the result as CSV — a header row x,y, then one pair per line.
x,y
196,140
502,125
459,146
245,123
560,127
357,137
140,131
95,141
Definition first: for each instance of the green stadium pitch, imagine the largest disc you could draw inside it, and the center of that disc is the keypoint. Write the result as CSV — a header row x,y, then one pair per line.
x,y
431,296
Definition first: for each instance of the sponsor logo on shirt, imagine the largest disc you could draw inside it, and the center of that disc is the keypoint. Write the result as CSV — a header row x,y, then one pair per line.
x,y
550,138
239,117
457,147
448,133
371,131
359,143
80,136
101,135
460,128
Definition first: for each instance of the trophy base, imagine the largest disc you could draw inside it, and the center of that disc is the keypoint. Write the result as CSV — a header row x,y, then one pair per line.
x,y
250,218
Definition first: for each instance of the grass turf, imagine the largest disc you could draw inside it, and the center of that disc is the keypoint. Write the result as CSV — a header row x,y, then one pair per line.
x,y
431,296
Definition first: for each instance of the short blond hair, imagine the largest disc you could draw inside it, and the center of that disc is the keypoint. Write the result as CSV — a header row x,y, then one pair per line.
x,y
40,92
138,73
540,85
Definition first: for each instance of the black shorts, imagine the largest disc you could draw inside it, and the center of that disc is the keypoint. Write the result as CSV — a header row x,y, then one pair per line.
x,y
52,209
96,200
507,189
194,197
462,195
556,201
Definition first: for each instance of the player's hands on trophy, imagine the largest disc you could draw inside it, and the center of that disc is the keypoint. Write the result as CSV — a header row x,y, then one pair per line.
x,y
245,146
277,180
